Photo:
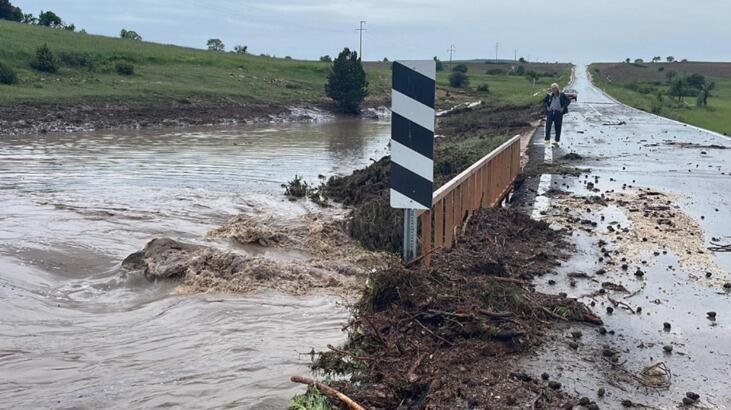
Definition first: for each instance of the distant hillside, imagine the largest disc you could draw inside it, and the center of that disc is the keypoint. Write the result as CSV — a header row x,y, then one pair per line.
x,y
87,70
624,73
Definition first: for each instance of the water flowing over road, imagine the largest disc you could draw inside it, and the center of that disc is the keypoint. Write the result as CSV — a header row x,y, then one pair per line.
x,y
79,332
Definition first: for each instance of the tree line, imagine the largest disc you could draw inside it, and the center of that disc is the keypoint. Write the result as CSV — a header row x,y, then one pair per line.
x,y
45,18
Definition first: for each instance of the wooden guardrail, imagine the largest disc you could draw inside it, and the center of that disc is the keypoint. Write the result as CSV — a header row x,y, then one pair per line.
x,y
482,185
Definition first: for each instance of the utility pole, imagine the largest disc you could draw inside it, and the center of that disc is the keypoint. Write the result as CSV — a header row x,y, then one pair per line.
x,y
516,55
497,45
360,48
451,51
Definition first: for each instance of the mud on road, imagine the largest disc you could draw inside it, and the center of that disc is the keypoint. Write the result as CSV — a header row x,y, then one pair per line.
x,y
648,217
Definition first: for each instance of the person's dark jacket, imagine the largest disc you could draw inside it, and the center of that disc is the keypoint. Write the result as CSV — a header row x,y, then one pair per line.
x,y
565,102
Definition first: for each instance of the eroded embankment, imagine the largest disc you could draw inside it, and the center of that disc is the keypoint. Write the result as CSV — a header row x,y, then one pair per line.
x,y
35,118
464,136
328,260
448,336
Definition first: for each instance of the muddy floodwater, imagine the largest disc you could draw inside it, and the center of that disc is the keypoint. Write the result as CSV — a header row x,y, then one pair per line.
x,y
76,331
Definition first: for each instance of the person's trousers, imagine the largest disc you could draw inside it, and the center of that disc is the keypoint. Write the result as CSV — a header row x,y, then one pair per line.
x,y
555,119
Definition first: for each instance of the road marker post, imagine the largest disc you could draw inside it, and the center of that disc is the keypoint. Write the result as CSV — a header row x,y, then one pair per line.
x,y
412,143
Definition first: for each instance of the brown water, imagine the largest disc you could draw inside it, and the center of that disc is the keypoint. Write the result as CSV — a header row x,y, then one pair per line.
x,y
78,332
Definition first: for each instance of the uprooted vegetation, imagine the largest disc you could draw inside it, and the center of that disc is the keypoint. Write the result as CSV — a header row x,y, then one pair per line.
x,y
446,336
465,137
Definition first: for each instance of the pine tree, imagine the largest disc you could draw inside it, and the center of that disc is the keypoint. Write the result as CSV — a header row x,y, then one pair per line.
x,y
347,84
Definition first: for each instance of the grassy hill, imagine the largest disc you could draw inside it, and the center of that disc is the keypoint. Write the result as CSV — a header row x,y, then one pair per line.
x,y
87,71
638,85
184,86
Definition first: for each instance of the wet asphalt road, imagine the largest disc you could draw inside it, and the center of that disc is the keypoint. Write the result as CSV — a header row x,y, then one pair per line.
x,y
624,146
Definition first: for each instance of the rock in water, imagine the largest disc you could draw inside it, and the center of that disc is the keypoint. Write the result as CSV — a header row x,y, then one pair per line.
x,y
162,258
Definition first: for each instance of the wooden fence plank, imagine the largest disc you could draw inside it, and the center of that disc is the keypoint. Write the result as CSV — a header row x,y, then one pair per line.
x,y
439,224
449,220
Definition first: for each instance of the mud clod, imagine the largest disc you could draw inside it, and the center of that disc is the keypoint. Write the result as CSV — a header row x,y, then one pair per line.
x,y
554,385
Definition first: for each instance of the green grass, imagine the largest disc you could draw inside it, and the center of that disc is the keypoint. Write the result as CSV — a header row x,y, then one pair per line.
x,y
164,72
715,117
161,71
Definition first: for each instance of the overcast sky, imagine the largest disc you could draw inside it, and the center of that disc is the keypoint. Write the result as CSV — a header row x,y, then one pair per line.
x,y
546,30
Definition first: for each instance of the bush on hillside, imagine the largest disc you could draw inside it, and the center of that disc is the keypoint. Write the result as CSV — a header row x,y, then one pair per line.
x,y
7,75
460,68
483,88
495,71
45,60
124,68
346,83
520,70
459,79
78,60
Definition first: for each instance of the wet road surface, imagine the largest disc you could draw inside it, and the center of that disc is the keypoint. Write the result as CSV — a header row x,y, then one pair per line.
x,y
78,332
627,150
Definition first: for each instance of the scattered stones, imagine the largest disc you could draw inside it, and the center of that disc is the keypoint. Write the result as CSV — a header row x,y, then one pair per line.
x,y
711,315
573,345
667,348
601,392
576,334
545,376
610,310
627,403
666,326
602,330
693,396
554,385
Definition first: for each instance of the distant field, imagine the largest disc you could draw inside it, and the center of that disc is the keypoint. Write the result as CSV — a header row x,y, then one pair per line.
x,y
638,85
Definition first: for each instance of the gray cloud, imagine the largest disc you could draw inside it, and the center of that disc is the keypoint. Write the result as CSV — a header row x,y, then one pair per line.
x,y
559,30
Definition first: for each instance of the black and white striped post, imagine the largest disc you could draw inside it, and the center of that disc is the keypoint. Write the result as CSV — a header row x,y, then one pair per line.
x,y
412,143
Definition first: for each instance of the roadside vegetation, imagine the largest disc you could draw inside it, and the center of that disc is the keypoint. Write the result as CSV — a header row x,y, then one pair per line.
x,y
696,93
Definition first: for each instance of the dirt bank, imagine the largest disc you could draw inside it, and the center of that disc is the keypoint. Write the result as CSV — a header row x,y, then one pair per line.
x,y
448,336
464,136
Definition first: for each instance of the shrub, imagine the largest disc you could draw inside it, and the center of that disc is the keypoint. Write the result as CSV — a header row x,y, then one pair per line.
x,y
661,69
483,88
459,79
45,60
495,71
78,60
124,68
646,89
520,70
346,83
7,75
460,68
696,81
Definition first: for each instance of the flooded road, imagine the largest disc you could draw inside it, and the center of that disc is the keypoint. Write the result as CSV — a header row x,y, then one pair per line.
x,y
638,269
79,332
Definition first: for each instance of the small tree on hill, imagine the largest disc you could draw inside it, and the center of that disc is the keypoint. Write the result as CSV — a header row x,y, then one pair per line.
x,y
705,93
678,88
639,61
346,83
627,60
215,44
10,12
458,79
49,19
696,81
130,35
460,68
241,49
29,19
326,59
670,59
521,60
45,60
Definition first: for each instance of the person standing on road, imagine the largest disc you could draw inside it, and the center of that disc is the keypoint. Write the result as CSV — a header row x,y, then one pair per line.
x,y
556,104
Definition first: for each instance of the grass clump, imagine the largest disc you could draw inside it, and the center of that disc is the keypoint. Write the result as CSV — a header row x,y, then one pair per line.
x,y
7,75
124,68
